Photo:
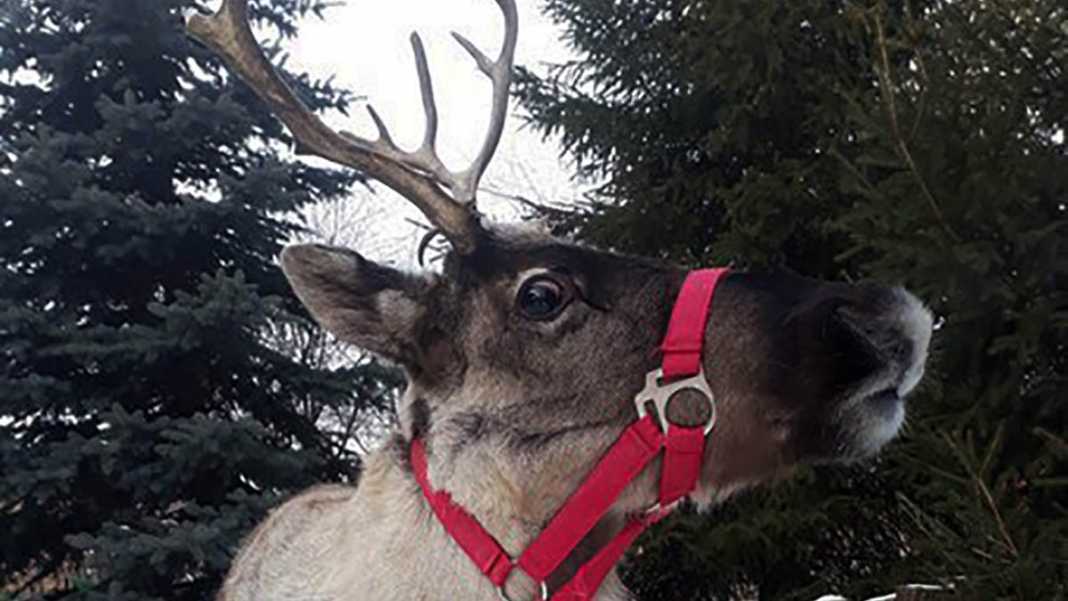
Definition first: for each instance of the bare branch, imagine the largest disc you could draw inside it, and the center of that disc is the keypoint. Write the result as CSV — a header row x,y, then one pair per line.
x,y
538,207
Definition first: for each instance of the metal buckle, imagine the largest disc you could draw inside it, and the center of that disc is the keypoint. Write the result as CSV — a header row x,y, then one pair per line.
x,y
544,592
659,393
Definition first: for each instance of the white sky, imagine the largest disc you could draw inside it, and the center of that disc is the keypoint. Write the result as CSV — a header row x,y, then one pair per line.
x,y
365,44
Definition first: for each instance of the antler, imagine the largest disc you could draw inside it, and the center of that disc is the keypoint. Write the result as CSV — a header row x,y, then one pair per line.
x,y
418,176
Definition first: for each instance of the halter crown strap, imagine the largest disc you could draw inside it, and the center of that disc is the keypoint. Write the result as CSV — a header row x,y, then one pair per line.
x,y
638,445
686,330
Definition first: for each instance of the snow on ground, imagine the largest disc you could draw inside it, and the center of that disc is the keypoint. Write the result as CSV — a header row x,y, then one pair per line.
x,y
891,596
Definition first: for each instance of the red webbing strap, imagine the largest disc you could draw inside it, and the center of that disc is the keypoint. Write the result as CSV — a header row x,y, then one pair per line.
x,y
484,551
684,448
686,330
624,461
583,586
636,447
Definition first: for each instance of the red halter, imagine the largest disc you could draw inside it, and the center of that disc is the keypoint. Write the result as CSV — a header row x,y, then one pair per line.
x,y
636,447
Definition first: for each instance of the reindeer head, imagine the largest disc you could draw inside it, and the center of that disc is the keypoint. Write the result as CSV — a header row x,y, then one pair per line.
x,y
525,353
524,358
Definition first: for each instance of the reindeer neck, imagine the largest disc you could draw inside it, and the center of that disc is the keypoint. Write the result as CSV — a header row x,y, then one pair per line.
x,y
400,551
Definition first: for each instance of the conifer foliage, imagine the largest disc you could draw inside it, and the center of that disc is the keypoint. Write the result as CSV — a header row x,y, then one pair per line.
x,y
919,142
147,419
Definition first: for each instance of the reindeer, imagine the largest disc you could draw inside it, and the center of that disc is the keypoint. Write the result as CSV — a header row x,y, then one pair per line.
x,y
523,356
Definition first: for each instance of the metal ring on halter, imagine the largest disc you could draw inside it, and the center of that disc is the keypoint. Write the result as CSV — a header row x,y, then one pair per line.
x,y
544,592
660,393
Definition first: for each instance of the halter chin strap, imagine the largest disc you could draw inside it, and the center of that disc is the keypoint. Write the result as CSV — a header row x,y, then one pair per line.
x,y
639,444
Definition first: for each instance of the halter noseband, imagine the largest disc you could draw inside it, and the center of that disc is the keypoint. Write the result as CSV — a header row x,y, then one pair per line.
x,y
639,444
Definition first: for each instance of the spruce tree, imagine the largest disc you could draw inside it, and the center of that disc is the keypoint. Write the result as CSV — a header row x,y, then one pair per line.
x,y
148,415
920,143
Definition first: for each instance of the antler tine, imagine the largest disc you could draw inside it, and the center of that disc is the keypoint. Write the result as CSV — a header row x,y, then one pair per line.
x,y
229,34
500,73
463,184
426,158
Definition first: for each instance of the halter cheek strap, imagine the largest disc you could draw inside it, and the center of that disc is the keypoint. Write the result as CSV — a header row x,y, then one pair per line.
x,y
639,444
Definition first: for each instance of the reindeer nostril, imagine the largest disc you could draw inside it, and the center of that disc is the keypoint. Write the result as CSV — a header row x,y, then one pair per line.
x,y
901,350
853,344
884,334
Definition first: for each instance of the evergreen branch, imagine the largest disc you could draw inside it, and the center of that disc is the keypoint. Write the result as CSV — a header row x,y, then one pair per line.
x,y
348,433
921,109
13,504
933,528
50,569
854,171
1054,441
984,491
1050,482
886,91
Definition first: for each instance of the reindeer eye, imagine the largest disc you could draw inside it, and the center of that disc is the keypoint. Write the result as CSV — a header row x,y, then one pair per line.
x,y
541,298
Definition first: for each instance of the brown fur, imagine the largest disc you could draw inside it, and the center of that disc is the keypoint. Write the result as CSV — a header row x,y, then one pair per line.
x,y
516,411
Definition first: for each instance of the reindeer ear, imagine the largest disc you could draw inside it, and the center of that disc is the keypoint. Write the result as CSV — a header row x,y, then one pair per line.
x,y
374,307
